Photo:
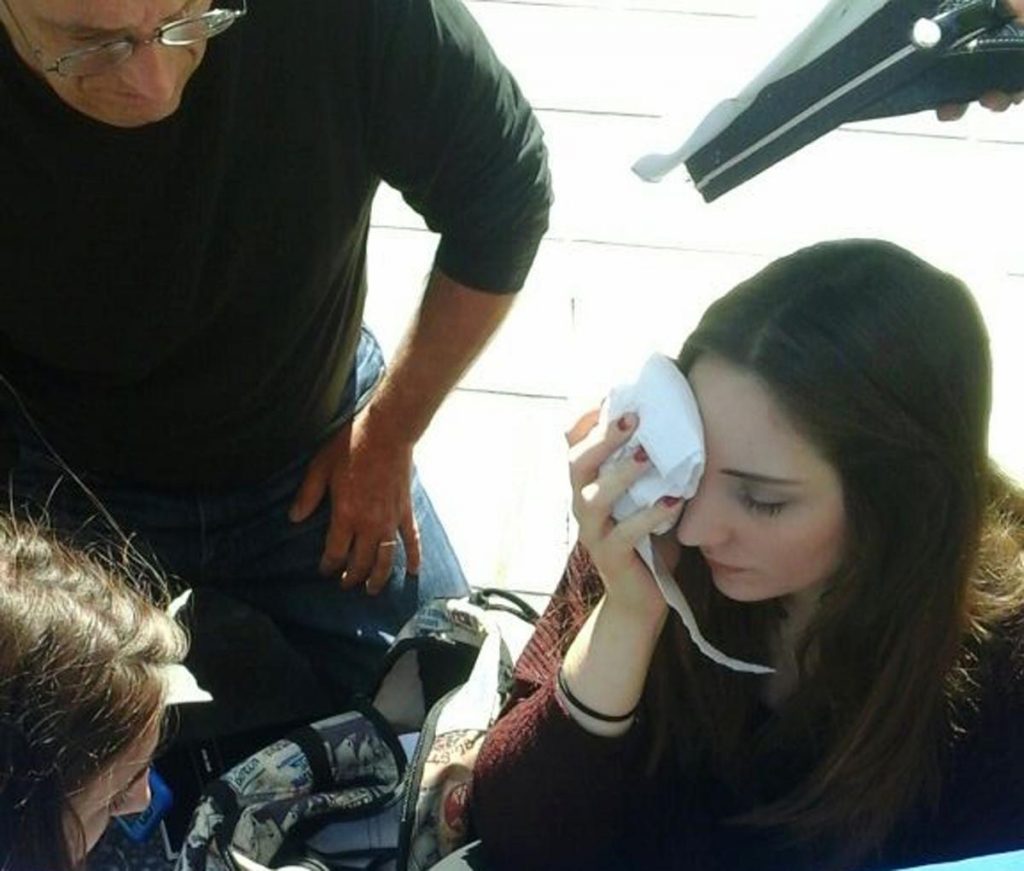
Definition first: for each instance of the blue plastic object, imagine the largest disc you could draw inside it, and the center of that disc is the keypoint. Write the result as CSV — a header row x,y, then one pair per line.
x,y
139,827
1000,862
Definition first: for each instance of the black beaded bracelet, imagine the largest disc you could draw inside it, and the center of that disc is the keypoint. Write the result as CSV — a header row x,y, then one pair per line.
x,y
590,712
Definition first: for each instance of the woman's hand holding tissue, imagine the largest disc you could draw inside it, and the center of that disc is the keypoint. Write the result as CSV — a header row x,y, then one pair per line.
x,y
628,582
606,666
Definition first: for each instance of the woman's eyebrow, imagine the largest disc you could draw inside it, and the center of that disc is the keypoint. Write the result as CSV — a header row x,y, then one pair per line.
x,y
760,479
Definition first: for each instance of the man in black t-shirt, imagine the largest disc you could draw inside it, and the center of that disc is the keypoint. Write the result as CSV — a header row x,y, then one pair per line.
x,y
184,225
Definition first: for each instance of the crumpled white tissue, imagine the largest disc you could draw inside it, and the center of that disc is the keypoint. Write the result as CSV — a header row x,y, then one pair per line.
x,y
671,432
182,687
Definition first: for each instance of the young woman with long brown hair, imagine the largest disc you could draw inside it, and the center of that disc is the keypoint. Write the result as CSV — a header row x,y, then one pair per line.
x,y
851,530
84,678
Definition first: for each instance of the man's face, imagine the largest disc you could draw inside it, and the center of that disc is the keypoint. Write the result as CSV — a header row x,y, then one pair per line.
x,y
145,88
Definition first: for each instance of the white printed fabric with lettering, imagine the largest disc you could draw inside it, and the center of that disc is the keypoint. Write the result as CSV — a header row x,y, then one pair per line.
x,y
348,764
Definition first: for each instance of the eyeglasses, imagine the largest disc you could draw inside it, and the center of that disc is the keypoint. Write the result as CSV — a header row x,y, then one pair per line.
x,y
100,58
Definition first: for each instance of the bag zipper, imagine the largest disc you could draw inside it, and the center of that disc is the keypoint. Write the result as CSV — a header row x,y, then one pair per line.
x,y
414,777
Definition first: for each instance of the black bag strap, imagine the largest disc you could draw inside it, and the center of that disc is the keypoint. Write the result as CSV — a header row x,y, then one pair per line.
x,y
311,743
225,799
517,604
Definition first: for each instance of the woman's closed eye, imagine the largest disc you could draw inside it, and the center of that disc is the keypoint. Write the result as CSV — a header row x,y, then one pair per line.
x,y
119,801
760,505
130,793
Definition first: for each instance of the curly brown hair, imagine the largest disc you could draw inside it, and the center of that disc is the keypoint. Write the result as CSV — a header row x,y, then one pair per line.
x,y
81,647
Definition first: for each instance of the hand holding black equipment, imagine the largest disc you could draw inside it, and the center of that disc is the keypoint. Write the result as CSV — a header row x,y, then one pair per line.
x,y
858,59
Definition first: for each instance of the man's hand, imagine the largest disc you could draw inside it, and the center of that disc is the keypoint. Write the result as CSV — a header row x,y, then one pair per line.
x,y
994,101
367,467
369,480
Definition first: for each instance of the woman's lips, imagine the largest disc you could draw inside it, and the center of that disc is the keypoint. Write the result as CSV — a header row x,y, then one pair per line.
x,y
717,566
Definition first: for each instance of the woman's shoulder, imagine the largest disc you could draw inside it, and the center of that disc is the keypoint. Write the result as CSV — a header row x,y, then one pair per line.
x,y
577,592
980,803
1004,653
994,706
581,577
1012,658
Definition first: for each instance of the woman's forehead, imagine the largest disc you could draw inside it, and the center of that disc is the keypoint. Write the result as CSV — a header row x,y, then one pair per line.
x,y
745,425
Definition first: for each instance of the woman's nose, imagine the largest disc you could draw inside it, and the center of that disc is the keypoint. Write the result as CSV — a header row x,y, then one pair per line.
x,y
703,523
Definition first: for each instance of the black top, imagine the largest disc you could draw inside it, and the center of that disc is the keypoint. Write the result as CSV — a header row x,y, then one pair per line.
x,y
181,301
547,794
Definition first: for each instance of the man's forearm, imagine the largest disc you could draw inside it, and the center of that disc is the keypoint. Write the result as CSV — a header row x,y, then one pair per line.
x,y
451,327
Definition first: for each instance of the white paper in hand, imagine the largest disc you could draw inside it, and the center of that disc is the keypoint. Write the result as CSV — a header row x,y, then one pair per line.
x,y
671,432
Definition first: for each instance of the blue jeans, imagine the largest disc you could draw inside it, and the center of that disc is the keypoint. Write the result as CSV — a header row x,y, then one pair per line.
x,y
242,542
